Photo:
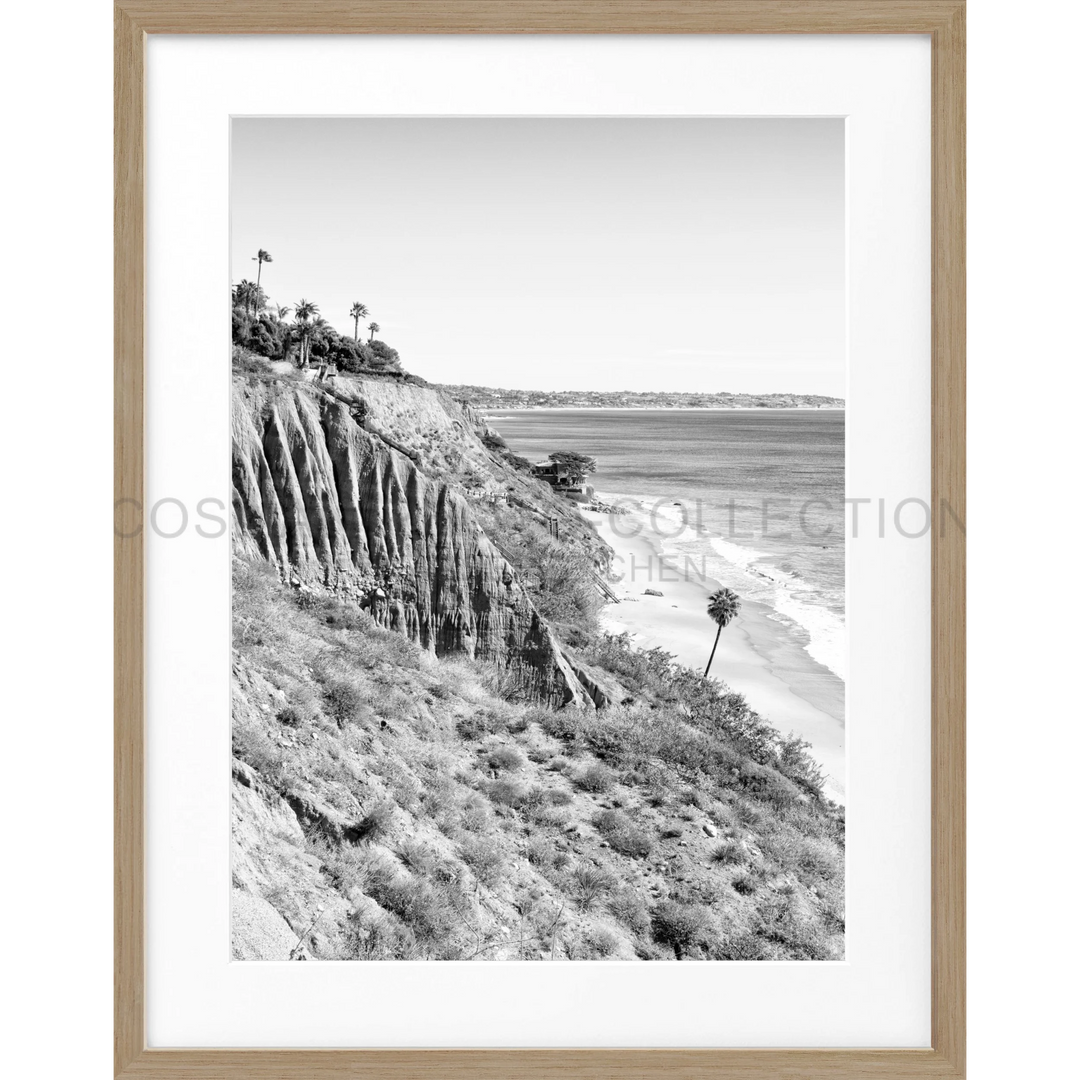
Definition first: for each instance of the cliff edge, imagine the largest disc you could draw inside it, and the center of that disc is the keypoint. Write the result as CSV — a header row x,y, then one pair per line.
x,y
327,494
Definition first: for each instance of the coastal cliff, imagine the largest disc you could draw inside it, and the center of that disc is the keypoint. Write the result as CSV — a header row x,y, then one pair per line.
x,y
332,500
438,753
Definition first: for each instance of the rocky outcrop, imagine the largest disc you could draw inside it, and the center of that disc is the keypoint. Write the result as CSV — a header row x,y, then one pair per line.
x,y
333,506
602,687
259,932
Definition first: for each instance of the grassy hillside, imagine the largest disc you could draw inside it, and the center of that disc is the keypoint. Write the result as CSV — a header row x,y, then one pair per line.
x,y
391,805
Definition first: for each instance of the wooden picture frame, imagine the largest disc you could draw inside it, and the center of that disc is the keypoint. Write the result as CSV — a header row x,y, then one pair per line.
x,y
943,21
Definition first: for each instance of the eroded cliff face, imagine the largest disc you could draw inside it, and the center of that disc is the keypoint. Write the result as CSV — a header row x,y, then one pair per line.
x,y
333,506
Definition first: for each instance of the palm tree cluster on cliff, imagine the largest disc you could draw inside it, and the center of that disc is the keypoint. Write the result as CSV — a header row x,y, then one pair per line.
x,y
305,314
358,311
722,607
264,330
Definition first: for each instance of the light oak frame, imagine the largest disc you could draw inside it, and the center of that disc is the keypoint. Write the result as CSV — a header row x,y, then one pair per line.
x,y
946,22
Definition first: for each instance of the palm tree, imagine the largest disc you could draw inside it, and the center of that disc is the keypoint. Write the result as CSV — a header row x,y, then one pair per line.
x,y
374,328
358,311
305,312
263,256
723,607
320,330
247,293
282,311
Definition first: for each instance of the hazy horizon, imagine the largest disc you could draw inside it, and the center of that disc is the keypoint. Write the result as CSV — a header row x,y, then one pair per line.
x,y
681,255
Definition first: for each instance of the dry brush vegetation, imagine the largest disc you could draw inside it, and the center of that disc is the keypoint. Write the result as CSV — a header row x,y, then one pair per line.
x,y
391,805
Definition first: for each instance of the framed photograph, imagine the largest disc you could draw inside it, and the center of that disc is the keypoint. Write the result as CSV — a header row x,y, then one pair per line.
x,y
540,539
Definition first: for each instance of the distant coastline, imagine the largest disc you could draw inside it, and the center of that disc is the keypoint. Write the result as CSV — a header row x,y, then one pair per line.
x,y
494,399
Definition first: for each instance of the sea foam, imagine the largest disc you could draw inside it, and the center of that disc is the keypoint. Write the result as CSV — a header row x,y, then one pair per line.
x,y
703,554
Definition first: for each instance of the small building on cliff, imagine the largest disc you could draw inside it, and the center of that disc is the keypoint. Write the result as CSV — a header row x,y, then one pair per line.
x,y
564,478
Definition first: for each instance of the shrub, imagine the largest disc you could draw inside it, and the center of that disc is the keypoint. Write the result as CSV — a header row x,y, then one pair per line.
x,y
474,814
600,941
748,814
305,599
424,908
644,949
505,759
797,763
728,853
596,778
352,356
518,724
480,722
522,464
540,754
417,857
714,709
406,790
508,793
540,851
368,869
746,946
692,797
259,334
380,938
681,926
629,909
743,884
788,922
819,858
560,797
776,789
438,796
343,700
621,833
289,716
471,726
376,824
252,746
346,617
484,858
553,817
384,357
247,363
588,883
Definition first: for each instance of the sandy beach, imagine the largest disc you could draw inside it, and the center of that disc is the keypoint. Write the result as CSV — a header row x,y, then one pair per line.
x,y
758,656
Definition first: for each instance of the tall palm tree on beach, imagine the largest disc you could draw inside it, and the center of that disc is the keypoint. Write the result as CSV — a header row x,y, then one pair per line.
x,y
263,256
358,311
723,607
374,328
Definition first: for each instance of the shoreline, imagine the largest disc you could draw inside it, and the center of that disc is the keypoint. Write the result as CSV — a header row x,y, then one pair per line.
x,y
757,655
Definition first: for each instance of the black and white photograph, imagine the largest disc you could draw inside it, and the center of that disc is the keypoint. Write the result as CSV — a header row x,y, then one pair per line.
x,y
538,536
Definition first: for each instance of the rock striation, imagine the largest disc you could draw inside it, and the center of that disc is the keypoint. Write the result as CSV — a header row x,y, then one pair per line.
x,y
333,506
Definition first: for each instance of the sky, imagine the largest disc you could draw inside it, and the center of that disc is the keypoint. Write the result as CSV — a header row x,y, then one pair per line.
x,y
693,254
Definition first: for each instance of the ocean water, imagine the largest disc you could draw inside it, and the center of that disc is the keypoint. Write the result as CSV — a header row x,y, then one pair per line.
x,y
753,499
